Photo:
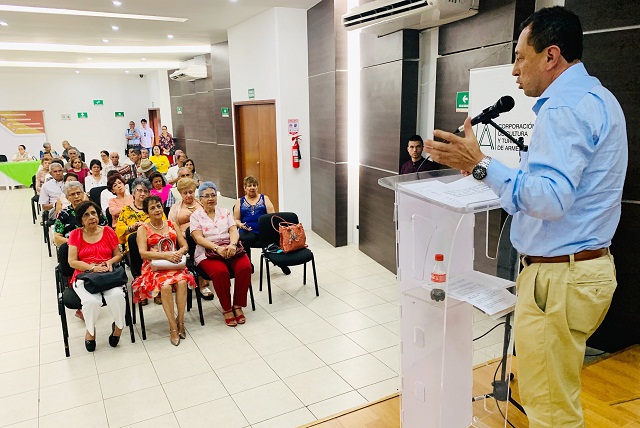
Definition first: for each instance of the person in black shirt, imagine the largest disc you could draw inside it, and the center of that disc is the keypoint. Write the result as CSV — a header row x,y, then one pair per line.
x,y
417,163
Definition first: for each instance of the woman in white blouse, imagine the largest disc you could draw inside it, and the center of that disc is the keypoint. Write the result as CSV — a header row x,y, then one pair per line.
x,y
22,154
96,178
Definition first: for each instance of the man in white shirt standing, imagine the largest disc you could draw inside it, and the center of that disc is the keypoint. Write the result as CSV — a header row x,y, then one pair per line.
x,y
146,135
52,189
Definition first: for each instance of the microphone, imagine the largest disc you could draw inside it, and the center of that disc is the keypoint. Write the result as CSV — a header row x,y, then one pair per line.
x,y
503,105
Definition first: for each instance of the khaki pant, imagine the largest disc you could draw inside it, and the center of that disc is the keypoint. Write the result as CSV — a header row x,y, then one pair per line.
x,y
559,306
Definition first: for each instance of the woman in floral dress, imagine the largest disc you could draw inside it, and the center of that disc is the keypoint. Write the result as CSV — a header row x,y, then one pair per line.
x,y
151,283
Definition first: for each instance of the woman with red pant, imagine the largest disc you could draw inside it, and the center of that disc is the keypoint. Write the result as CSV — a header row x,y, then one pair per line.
x,y
216,234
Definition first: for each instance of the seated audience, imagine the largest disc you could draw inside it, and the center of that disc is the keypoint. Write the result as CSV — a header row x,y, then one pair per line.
x,y
42,172
127,172
246,213
65,153
117,186
162,283
73,154
96,178
172,173
196,177
146,168
22,154
167,144
62,201
106,195
144,153
66,221
160,187
78,169
159,160
214,231
48,151
134,159
132,215
105,161
94,248
52,189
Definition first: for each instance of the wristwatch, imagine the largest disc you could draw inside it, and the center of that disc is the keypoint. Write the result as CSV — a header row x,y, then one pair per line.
x,y
480,170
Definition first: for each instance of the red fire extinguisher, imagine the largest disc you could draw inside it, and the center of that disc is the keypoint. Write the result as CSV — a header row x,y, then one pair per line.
x,y
295,151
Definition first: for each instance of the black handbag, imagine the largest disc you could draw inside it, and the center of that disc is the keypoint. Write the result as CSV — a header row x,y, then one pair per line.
x,y
70,299
97,282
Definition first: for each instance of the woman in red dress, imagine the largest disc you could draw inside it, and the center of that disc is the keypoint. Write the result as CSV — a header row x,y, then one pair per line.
x,y
151,283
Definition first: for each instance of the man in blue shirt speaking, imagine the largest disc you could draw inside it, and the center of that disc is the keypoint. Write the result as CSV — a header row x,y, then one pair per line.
x,y
565,200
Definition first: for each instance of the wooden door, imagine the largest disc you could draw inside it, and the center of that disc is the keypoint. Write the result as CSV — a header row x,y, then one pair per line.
x,y
256,147
154,124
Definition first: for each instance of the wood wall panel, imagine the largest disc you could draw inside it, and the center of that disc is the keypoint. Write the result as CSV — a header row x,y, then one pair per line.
x,y
377,228
342,116
322,111
329,199
612,57
321,38
223,125
204,156
188,88
205,127
176,119
452,75
226,168
220,65
190,116
598,14
380,107
396,46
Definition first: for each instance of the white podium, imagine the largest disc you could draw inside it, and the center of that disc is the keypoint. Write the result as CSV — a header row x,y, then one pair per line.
x,y
436,340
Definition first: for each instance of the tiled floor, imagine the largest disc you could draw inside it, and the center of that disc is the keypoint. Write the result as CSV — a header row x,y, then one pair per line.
x,y
300,359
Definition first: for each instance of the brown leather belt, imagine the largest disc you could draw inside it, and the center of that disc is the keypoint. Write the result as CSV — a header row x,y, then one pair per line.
x,y
578,257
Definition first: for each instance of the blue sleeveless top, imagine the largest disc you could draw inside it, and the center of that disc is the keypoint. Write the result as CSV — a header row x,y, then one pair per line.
x,y
249,214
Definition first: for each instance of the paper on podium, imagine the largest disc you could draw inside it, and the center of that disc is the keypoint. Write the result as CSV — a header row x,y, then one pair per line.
x,y
486,292
460,193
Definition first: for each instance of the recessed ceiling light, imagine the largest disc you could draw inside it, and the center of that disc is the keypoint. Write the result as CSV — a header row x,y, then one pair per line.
x,y
77,72
126,71
115,27
54,11
143,59
105,40
89,58
103,49
117,3
167,65
4,24
170,36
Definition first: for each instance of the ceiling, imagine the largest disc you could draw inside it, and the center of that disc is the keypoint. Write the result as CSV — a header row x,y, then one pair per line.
x,y
34,38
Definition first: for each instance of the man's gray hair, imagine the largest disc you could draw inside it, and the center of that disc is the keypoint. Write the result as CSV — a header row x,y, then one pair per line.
x,y
141,181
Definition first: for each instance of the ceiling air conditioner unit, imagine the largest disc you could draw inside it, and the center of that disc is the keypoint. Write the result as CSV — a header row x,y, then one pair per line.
x,y
382,17
190,73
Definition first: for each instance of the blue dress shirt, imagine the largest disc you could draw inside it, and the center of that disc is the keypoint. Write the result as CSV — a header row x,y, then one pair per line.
x,y
130,133
566,195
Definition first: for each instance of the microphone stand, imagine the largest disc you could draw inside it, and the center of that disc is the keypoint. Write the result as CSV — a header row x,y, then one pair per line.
x,y
519,142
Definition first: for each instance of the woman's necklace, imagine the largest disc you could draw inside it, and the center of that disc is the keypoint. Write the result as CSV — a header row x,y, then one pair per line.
x,y
191,207
156,227
135,207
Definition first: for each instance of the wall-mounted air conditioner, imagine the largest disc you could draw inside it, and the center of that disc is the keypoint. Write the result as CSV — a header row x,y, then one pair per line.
x,y
190,73
387,16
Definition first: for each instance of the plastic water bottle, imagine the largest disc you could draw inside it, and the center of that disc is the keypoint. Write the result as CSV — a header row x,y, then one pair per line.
x,y
438,279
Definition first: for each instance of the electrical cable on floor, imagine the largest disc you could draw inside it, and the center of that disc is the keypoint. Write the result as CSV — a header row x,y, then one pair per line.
x,y
494,327
495,374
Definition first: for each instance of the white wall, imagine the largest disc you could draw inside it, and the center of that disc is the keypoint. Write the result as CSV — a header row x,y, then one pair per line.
x,y
269,54
64,92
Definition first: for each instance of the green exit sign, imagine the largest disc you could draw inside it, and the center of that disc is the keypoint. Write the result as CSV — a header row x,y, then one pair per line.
x,y
119,114
98,102
252,93
225,111
179,110
462,101
83,115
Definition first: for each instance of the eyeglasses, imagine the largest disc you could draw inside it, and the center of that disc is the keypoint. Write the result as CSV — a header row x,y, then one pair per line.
x,y
142,190
210,196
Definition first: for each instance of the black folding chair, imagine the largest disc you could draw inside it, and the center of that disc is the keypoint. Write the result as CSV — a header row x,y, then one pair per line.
x,y
199,273
34,201
67,297
94,194
46,224
270,237
3,158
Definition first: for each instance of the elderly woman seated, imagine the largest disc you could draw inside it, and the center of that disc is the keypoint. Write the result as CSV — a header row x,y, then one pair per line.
x,y
216,234
94,248
180,215
117,185
151,283
66,221
62,201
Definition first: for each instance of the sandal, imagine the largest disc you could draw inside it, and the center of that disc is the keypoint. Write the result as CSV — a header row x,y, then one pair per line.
x,y
240,319
206,293
157,300
231,322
